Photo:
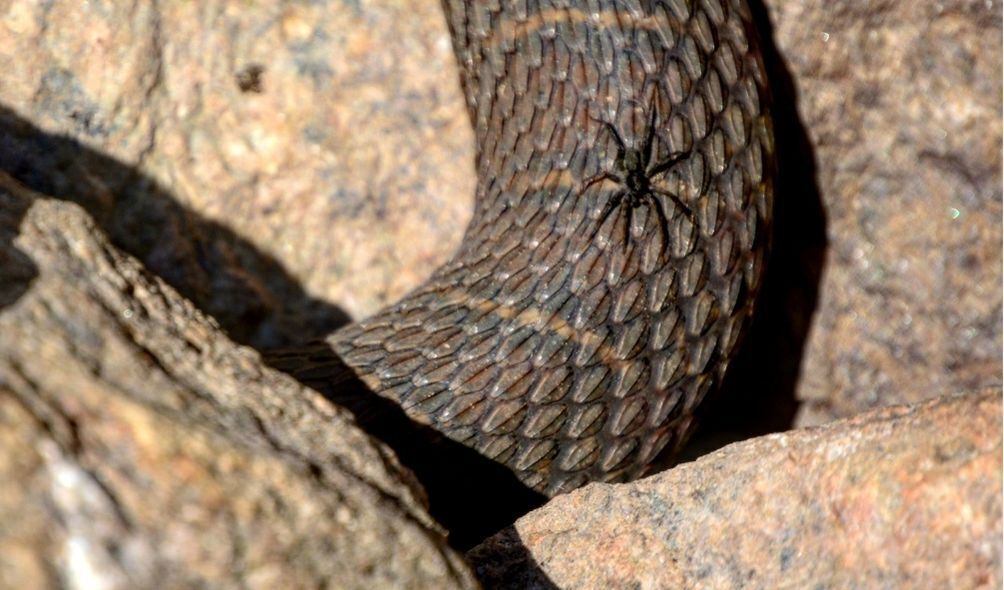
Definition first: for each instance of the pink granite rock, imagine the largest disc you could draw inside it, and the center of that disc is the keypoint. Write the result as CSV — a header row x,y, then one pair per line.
x,y
903,497
140,448
284,165
901,102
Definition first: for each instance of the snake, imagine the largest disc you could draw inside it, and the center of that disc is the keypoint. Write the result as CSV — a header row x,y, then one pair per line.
x,y
624,199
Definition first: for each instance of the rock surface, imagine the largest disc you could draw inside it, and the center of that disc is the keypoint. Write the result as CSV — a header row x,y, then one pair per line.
x,y
283,165
143,449
902,497
901,102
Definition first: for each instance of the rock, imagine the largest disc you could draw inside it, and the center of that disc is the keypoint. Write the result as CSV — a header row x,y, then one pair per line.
x,y
901,104
143,449
283,165
903,497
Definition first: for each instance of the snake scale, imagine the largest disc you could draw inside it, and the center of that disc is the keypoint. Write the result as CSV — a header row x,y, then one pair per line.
x,y
622,214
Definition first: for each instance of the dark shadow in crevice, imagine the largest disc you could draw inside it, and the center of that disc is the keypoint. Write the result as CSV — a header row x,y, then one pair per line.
x,y
252,296
257,302
505,562
758,395
17,270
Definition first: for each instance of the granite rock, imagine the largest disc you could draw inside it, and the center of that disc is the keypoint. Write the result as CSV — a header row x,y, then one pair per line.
x,y
143,449
901,103
901,497
285,166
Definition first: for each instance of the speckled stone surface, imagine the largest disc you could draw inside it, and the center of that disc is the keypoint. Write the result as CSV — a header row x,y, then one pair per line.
x,y
285,165
140,448
902,497
901,102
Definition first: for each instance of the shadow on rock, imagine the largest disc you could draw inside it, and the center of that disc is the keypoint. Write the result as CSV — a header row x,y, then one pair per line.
x,y
252,296
17,270
504,561
257,302
758,395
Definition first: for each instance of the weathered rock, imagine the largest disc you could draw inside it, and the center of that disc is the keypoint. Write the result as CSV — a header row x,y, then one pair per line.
x,y
213,141
903,497
901,102
143,449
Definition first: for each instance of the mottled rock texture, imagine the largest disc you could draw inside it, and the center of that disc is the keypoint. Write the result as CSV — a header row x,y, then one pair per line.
x,y
902,497
142,449
901,102
271,160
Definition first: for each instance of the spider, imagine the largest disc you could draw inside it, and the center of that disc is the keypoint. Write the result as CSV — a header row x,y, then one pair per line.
x,y
636,175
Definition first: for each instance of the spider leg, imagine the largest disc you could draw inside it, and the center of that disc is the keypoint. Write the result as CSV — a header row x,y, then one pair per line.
x,y
660,210
646,149
678,202
612,203
621,148
669,162
597,179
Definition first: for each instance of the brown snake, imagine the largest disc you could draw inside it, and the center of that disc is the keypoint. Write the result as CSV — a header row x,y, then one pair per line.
x,y
625,169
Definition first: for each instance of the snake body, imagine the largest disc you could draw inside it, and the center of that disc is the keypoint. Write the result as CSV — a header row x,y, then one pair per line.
x,y
568,340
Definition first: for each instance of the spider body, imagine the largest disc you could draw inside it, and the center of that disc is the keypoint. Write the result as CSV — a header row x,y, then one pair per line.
x,y
634,171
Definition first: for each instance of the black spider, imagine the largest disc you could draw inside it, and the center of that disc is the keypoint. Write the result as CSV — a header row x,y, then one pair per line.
x,y
636,173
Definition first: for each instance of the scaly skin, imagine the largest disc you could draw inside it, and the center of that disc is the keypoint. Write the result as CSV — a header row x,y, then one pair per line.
x,y
558,341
